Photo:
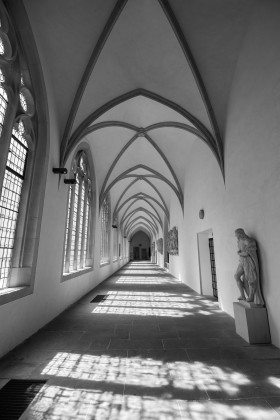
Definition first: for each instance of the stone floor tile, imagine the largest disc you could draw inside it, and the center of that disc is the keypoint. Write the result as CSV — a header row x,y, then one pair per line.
x,y
165,392
175,343
135,344
16,369
164,352
99,343
274,402
157,334
200,343
138,407
167,327
239,409
122,333
3,382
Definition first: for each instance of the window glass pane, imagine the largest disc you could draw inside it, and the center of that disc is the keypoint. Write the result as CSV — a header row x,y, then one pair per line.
x,y
78,213
9,203
74,226
105,230
81,223
2,48
86,230
67,227
3,106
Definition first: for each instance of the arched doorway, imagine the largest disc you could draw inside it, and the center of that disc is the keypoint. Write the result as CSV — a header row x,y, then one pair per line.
x,y
140,246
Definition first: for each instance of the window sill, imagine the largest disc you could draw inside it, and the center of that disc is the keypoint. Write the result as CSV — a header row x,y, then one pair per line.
x,y
10,294
77,273
104,263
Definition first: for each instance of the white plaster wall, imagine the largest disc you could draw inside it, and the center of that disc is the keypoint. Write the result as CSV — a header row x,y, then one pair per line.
x,y
25,316
160,259
204,189
250,197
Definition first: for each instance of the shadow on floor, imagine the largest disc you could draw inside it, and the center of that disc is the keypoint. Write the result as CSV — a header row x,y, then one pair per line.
x,y
146,352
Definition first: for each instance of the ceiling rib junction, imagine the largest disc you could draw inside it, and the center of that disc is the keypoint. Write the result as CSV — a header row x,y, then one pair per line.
x,y
141,104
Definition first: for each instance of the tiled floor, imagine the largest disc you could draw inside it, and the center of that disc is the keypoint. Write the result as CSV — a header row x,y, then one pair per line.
x,y
153,349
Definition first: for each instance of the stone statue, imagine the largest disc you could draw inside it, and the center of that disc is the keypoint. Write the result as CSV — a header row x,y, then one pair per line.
x,y
247,274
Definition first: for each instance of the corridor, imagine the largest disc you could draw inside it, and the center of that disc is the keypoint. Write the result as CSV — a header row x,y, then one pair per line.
x,y
151,348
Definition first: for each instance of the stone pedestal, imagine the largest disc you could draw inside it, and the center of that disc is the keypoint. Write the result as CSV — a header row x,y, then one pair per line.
x,y
251,322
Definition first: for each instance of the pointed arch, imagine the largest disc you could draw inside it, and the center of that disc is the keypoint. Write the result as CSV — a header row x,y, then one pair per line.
x,y
143,130
163,205
137,199
156,147
155,174
68,145
151,222
120,4
146,221
129,215
199,82
138,228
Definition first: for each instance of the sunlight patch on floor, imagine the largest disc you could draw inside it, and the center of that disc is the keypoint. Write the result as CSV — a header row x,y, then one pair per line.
x,y
226,409
57,403
274,381
144,372
151,304
141,312
60,402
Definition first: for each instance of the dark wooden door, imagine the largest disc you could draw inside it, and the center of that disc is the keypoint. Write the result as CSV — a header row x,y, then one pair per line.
x,y
144,254
213,267
136,253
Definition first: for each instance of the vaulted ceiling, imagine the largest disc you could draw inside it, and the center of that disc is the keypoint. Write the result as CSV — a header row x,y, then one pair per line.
x,y
141,80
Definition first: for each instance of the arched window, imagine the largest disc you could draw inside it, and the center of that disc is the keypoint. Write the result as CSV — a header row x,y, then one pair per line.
x,y
10,199
105,216
17,128
78,226
115,239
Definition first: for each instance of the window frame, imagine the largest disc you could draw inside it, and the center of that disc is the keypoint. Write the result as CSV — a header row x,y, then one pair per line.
x,y
20,64
105,231
86,255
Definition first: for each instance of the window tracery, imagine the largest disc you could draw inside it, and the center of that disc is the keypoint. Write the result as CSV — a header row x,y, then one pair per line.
x,y
76,248
24,145
16,136
105,216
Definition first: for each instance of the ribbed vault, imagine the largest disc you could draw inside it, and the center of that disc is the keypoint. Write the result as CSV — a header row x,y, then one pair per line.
x,y
138,99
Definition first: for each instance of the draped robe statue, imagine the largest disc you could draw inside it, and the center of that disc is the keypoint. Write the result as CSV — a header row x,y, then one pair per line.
x,y
247,274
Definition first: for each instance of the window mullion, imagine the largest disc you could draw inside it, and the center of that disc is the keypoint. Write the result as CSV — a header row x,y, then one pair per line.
x,y
69,233
76,251
5,137
101,235
76,262
72,228
84,226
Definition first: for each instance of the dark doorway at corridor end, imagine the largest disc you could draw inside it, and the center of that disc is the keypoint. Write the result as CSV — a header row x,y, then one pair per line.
x,y
140,247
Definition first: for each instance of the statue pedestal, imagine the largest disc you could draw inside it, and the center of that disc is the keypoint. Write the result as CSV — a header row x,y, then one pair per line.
x,y
251,322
